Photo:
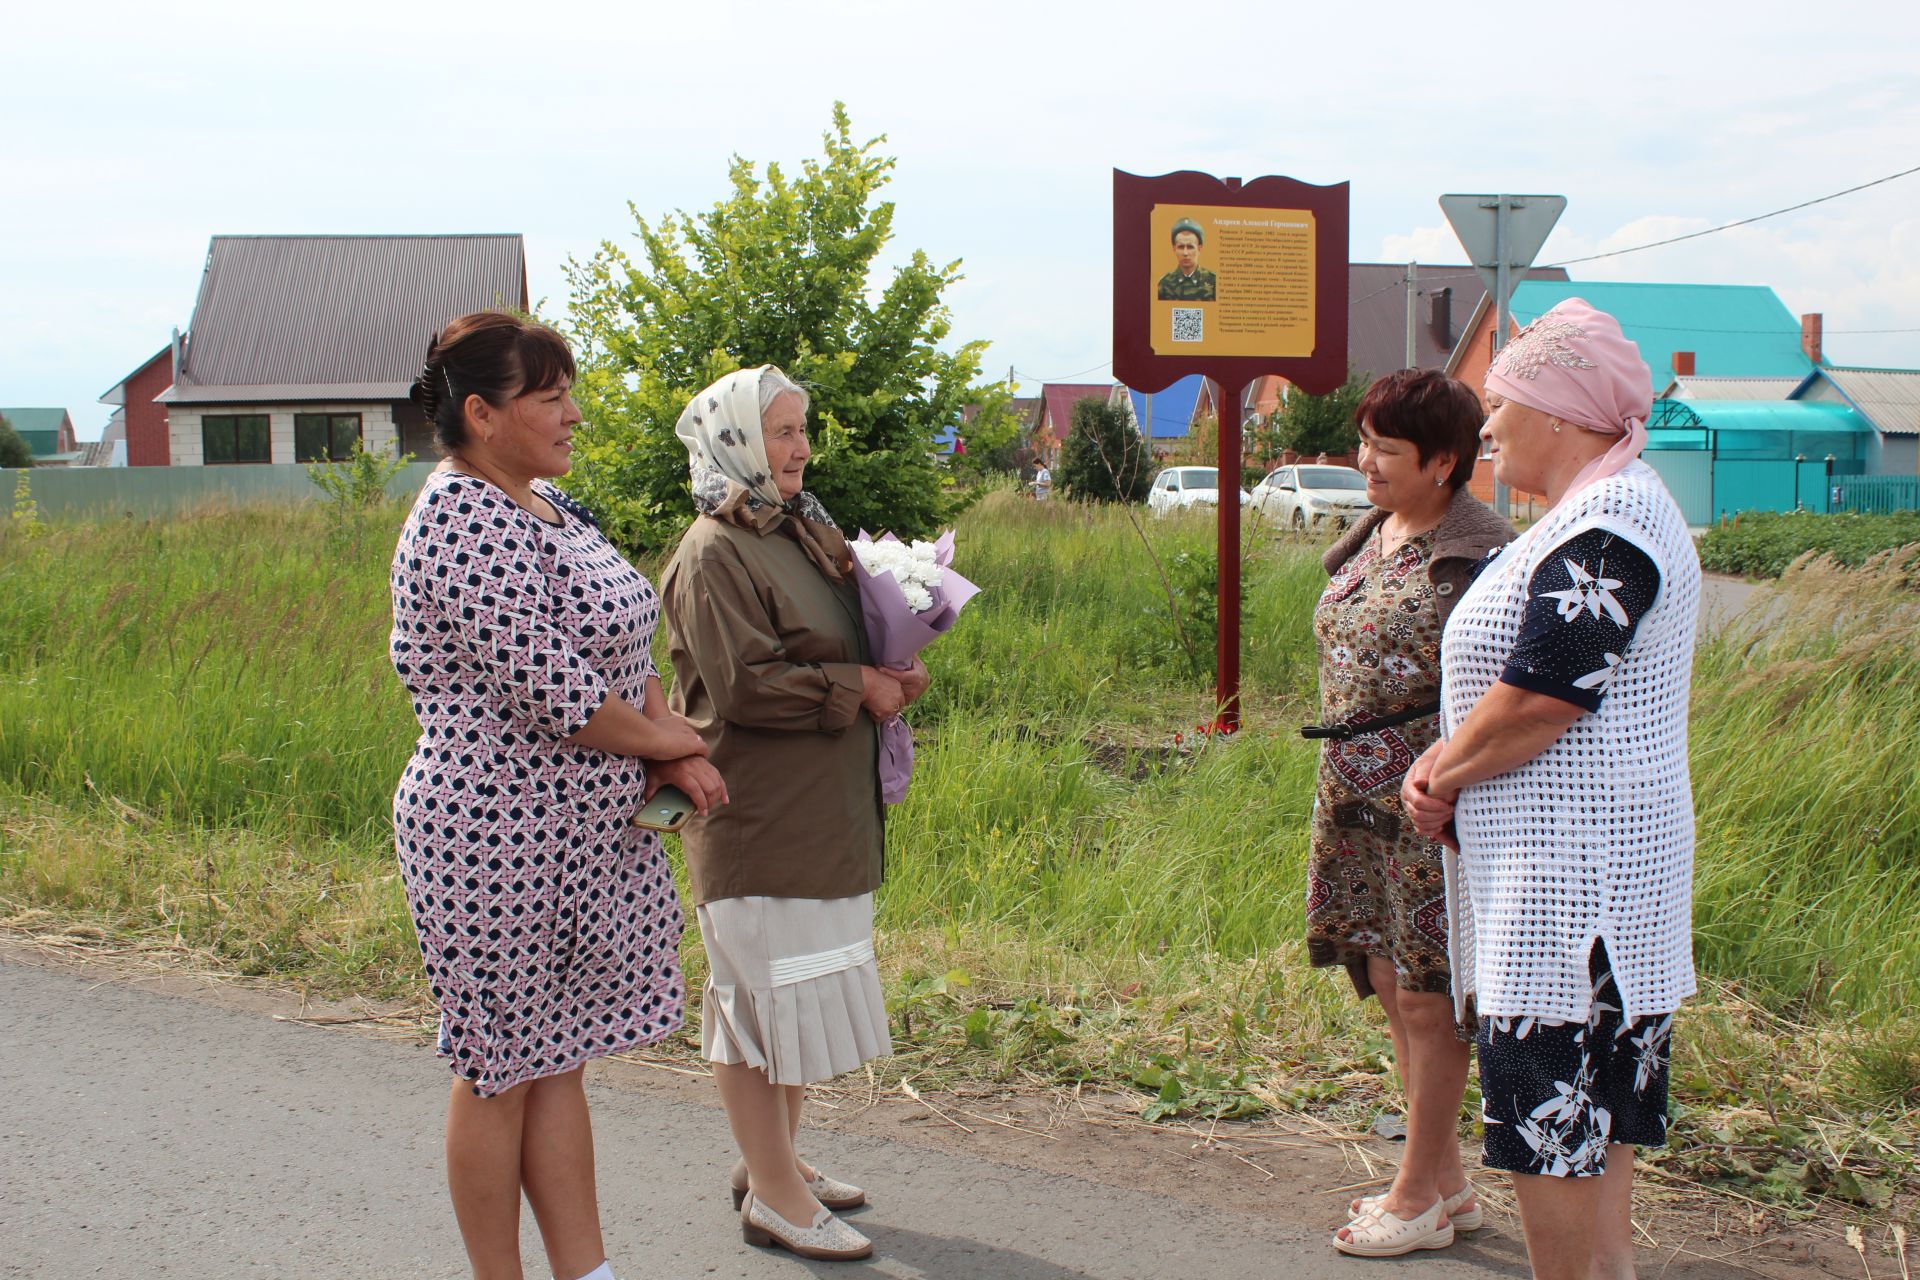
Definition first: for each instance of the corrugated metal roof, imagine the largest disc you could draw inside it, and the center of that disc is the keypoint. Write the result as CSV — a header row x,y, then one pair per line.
x,y
1732,388
1377,312
1058,398
312,313
36,419
1890,398
1733,330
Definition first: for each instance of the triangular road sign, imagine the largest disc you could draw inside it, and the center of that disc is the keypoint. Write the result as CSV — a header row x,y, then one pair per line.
x,y
1475,220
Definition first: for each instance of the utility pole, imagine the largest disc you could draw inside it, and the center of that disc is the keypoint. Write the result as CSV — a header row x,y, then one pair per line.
x,y
1413,292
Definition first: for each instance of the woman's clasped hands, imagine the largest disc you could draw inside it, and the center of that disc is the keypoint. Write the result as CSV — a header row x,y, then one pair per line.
x,y
1431,813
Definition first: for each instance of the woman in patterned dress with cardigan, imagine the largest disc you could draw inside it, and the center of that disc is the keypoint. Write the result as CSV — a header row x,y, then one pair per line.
x,y
771,665
1562,777
1375,887
549,924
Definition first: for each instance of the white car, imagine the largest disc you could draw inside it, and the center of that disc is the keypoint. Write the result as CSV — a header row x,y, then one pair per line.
x,y
1304,497
1178,488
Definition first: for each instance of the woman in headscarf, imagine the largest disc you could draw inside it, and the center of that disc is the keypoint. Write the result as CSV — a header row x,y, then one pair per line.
x,y
772,668
1561,777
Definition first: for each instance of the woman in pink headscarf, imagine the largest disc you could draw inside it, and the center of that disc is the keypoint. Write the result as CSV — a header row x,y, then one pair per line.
x,y
1561,780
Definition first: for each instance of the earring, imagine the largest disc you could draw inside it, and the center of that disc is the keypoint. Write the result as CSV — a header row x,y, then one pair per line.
x,y
1556,426
1439,482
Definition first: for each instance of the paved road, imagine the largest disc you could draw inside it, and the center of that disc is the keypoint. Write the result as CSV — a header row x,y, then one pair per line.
x,y
154,1136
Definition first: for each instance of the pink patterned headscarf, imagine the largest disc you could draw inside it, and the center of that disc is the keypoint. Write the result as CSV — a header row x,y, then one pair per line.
x,y
1576,364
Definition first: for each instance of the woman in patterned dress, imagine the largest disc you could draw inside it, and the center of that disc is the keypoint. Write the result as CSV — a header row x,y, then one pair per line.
x,y
548,923
1375,887
1562,776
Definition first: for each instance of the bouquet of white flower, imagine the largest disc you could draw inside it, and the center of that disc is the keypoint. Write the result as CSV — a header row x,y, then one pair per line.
x,y
910,597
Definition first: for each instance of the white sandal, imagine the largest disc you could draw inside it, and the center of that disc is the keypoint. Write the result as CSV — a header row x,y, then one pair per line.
x,y
1378,1234
1463,1220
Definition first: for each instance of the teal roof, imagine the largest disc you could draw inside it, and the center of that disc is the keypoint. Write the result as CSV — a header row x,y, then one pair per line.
x,y
40,428
1733,330
1778,415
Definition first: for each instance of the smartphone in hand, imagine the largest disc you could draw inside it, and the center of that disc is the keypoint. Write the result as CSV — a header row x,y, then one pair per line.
x,y
669,810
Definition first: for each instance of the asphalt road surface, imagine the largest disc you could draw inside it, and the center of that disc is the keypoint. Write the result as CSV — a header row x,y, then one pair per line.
x,y
148,1135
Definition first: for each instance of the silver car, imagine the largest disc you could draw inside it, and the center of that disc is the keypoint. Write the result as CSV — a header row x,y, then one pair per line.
x,y
1312,496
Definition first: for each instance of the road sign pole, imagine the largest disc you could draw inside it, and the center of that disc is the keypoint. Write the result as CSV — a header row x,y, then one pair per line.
x,y
1227,558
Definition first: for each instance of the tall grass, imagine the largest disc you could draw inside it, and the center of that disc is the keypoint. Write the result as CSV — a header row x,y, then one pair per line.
x,y
228,673
200,735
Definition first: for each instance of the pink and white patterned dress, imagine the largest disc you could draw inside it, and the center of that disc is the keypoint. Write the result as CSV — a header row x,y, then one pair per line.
x,y
549,925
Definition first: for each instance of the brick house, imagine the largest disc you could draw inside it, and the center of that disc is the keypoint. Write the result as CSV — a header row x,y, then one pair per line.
x,y
303,345
142,419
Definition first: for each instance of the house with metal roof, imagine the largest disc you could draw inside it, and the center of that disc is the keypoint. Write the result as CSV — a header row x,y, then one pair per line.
x,y
1053,416
139,420
48,433
1888,399
302,346
1444,302
1682,330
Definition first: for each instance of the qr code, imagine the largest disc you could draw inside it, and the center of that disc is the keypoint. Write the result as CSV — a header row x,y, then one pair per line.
x,y
1189,324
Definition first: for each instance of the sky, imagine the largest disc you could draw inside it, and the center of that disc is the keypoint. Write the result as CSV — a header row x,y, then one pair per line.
x,y
130,134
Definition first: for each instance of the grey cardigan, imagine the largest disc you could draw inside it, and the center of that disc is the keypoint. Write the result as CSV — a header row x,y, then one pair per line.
x,y
1461,540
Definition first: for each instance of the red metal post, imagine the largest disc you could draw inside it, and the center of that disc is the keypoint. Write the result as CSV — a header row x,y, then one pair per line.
x,y
1227,551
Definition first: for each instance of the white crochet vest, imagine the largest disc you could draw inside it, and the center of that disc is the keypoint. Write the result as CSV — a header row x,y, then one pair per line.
x,y
1592,838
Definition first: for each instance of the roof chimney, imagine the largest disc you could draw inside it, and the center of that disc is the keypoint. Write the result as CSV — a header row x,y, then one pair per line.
x,y
1810,335
1442,319
1683,364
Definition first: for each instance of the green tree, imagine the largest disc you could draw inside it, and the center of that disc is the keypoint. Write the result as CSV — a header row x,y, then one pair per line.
x,y
13,450
776,273
1322,424
995,437
1103,458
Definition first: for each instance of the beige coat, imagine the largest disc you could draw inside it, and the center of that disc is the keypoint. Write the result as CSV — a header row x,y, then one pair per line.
x,y
767,654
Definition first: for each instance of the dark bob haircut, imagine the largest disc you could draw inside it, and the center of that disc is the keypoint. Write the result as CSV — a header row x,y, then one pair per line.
x,y
1431,411
491,354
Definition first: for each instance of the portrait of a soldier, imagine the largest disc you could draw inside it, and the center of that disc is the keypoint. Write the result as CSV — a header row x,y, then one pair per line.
x,y
1187,282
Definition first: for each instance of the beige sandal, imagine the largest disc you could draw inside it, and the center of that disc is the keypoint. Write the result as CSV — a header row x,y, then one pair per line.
x,y
1462,1219
1378,1234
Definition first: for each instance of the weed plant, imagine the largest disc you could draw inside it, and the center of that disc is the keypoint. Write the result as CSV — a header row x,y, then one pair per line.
x,y
200,735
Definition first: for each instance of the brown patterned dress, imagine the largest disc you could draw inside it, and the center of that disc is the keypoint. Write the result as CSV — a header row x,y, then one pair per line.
x,y
1374,886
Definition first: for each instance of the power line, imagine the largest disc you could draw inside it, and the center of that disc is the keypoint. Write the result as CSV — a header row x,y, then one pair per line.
x,y
1065,377
1759,217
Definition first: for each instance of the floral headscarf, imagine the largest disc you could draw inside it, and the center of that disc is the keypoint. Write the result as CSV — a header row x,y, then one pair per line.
x,y
732,481
1575,364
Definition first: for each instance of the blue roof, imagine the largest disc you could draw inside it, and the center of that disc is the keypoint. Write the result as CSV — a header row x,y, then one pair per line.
x,y
1733,330
1172,408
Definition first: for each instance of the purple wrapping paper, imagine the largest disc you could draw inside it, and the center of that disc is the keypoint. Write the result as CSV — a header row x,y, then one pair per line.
x,y
895,634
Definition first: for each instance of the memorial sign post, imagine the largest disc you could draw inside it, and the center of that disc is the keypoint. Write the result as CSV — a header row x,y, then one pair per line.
x,y
1232,282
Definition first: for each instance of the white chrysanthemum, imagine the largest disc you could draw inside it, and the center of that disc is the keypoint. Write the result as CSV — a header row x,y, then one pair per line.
x,y
912,565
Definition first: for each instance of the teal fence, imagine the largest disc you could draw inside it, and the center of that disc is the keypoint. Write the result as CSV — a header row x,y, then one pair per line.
x,y
1876,495
62,493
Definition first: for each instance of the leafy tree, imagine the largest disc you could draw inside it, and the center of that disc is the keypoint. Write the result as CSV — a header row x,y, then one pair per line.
x,y
995,438
13,449
776,273
1322,424
1103,458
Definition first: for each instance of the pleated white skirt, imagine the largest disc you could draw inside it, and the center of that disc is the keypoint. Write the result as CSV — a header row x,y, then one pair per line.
x,y
792,987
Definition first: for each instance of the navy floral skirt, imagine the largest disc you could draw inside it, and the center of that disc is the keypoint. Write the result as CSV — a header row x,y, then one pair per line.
x,y
1555,1095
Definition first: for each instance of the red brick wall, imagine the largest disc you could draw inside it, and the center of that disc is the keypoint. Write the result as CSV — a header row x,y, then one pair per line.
x,y
147,421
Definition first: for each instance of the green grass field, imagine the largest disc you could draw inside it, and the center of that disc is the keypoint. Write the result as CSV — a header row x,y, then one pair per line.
x,y
200,736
